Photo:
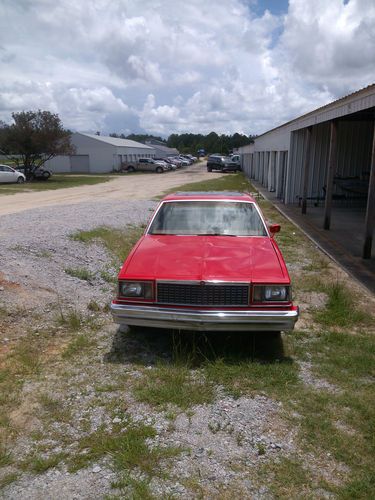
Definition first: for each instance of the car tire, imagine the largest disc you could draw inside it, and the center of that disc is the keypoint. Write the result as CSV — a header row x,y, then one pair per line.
x,y
20,180
46,175
209,169
130,169
159,170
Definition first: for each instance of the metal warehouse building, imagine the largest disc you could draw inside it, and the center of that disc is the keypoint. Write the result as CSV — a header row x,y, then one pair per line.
x,y
99,154
161,150
323,162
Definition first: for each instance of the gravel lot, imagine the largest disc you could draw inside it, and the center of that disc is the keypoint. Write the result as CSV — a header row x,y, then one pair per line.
x,y
36,248
62,399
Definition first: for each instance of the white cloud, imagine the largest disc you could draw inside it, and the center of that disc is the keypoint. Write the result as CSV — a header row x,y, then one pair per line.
x,y
176,66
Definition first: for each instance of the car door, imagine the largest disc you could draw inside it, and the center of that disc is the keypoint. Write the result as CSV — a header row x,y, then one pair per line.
x,y
2,175
149,165
142,164
7,174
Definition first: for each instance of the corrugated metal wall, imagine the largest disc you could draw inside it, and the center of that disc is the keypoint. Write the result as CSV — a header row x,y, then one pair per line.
x,y
354,144
354,155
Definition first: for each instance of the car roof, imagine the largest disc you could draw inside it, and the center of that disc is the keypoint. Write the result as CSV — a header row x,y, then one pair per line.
x,y
209,195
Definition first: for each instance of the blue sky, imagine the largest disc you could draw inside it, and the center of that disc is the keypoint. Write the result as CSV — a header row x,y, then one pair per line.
x,y
172,66
276,7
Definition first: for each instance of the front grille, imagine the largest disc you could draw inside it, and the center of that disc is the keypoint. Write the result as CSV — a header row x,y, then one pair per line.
x,y
203,294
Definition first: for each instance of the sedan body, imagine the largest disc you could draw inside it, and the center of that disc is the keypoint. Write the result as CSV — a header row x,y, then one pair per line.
x,y
207,261
9,174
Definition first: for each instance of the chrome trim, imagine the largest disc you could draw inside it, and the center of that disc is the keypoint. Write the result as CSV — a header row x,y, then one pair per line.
x,y
216,320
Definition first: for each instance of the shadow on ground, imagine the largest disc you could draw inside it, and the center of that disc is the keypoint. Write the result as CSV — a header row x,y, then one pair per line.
x,y
148,346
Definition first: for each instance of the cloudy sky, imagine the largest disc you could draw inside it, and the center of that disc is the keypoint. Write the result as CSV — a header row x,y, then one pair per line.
x,y
173,66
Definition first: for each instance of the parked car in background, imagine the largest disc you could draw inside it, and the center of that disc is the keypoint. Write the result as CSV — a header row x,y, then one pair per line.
x,y
191,157
207,261
9,174
185,162
37,173
167,161
175,161
223,163
236,159
146,165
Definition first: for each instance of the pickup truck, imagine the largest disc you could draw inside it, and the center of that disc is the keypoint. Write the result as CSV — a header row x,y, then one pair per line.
x,y
146,164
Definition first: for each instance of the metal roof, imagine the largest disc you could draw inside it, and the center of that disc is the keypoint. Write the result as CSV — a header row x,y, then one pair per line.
x,y
116,141
324,112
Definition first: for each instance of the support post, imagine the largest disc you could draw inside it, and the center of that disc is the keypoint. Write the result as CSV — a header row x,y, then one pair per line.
x,y
306,168
370,211
332,163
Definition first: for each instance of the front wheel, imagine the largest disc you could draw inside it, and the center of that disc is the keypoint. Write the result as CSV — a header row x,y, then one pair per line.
x,y
159,170
46,175
209,169
20,180
130,168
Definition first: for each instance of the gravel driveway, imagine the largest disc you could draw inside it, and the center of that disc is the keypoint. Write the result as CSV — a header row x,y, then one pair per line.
x,y
220,441
121,187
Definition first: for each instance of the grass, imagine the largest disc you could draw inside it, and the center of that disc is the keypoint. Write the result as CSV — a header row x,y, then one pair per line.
x,y
117,241
339,344
341,310
129,450
80,273
166,385
57,181
8,479
72,320
39,464
53,409
276,379
77,345
5,454
229,182
287,478
333,429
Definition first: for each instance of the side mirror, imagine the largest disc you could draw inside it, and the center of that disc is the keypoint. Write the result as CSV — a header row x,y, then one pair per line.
x,y
274,228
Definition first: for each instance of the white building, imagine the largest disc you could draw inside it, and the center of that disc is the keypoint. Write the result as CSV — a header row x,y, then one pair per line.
x,y
322,158
99,154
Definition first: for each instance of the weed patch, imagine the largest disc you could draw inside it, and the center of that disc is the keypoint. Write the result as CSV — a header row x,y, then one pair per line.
x,y
129,450
118,242
39,464
341,310
165,385
77,345
80,273
276,379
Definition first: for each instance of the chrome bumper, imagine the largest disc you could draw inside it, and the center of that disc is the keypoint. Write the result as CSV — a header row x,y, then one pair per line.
x,y
182,319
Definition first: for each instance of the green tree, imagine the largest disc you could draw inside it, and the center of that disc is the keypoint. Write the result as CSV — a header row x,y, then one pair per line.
x,y
37,136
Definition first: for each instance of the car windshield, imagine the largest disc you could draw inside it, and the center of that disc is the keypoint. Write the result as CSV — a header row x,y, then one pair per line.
x,y
208,218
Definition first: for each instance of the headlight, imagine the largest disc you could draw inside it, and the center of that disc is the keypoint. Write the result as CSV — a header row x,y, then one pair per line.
x,y
271,293
136,289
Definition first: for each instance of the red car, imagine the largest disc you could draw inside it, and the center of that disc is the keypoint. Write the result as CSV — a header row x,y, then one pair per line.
x,y
207,261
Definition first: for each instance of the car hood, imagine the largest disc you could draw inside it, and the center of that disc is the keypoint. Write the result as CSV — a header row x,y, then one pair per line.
x,y
206,258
